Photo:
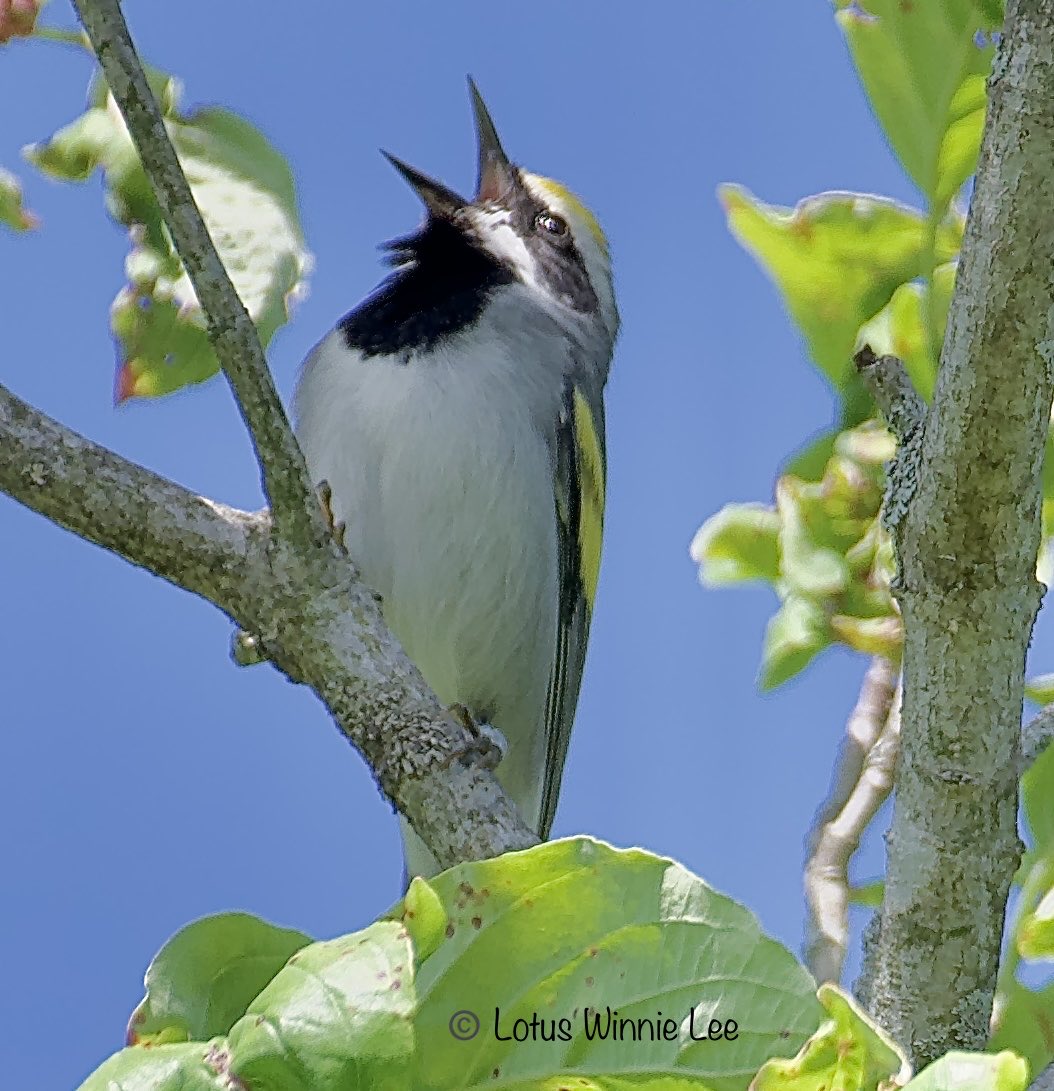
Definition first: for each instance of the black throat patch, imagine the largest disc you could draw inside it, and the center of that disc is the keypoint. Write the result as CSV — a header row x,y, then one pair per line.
x,y
441,288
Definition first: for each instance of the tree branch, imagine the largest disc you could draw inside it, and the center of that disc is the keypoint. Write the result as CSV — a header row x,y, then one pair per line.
x,y
316,620
231,330
967,542
287,582
862,782
890,385
148,520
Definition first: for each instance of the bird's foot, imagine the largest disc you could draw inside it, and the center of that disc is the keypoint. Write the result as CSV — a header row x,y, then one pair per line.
x,y
488,742
338,530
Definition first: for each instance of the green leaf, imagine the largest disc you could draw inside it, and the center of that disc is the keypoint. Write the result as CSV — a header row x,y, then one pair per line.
x,y
1022,1021
832,562
189,1066
1035,931
973,1072
809,461
339,1017
901,327
439,996
13,212
1040,689
869,895
849,1052
837,259
244,189
1037,794
870,635
738,544
924,73
796,633
205,976
1048,493
993,12
810,562
575,925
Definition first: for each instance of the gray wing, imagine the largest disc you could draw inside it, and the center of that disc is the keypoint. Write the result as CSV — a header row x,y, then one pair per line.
x,y
580,470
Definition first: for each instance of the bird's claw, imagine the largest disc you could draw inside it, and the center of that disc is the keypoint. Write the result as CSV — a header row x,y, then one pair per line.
x,y
338,530
488,743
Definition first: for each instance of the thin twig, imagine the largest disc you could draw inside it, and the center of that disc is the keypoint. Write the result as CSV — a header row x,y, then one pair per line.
x,y
863,782
856,795
289,583
231,331
899,402
895,395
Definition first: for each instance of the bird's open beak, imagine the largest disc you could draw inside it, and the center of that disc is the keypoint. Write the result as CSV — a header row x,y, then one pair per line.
x,y
439,200
497,176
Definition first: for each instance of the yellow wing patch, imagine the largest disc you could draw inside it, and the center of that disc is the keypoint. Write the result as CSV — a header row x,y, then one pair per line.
x,y
561,194
592,486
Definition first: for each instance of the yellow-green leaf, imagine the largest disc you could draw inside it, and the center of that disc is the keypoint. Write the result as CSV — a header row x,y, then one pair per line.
x,y
12,211
1023,1020
837,259
924,67
901,327
1040,689
205,976
1035,932
849,1052
973,1072
737,544
794,636
871,635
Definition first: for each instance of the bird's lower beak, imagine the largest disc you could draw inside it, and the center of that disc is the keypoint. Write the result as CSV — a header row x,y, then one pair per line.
x,y
439,200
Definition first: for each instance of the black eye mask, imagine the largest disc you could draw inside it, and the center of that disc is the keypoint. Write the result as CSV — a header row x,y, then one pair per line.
x,y
559,262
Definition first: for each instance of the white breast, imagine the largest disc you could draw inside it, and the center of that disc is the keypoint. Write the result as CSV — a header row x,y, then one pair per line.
x,y
440,470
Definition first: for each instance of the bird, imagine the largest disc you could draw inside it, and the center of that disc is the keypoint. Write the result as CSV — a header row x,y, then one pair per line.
x,y
456,421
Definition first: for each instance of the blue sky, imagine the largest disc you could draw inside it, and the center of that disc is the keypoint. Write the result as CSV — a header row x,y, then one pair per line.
x,y
144,780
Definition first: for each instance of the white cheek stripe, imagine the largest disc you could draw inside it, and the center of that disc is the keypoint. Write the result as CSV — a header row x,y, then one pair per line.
x,y
506,245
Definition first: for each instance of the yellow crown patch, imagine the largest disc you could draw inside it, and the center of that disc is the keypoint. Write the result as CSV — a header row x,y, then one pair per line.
x,y
559,192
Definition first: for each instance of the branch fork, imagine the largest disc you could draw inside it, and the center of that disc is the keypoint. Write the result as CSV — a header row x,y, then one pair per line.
x,y
278,574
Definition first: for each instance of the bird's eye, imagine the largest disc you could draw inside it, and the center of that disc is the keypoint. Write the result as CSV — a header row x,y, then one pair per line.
x,y
548,221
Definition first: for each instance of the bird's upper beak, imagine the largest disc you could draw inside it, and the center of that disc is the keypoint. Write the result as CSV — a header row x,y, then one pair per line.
x,y
497,176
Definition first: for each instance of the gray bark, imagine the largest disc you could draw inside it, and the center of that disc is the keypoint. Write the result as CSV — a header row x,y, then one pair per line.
x,y
314,618
965,512
231,331
280,576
